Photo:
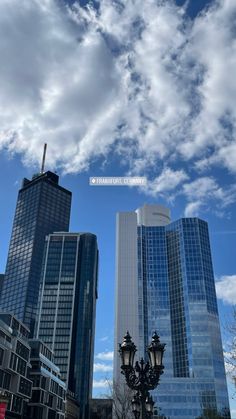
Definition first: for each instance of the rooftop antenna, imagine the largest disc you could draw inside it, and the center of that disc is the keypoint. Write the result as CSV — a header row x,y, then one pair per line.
x,y
44,156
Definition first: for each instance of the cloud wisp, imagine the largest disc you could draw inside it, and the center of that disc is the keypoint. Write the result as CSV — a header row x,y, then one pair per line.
x,y
100,367
105,356
226,289
103,383
131,78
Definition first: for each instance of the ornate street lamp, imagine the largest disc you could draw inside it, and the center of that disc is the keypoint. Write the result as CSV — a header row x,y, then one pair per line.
x,y
143,376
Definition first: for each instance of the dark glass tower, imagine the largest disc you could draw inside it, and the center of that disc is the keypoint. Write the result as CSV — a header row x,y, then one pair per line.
x,y
165,282
43,206
67,305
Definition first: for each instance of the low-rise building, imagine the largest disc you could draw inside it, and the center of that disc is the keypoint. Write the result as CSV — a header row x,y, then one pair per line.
x,y
30,384
15,387
72,406
48,391
101,409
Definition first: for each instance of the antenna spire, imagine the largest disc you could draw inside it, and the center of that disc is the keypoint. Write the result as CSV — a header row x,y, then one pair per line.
x,y
44,156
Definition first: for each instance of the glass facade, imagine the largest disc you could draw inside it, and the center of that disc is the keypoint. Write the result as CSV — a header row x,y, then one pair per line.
x,y
165,283
42,208
177,298
66,310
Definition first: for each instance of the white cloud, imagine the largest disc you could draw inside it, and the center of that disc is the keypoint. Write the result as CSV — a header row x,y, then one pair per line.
x,y
193,209
133,78
213,130
104,338
98,367
105,356
200,187
205,190
63,94
226,289
168,181
102,384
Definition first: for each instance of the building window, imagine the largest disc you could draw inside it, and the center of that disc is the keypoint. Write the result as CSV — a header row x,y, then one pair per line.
x,y
22,350
21,366
6,381
13,361
43,382
25,387
50,400
36,396
1,355
36,380
16,404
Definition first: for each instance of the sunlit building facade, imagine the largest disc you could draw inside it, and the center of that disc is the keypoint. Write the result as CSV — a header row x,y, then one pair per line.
x,y
165,282
43,206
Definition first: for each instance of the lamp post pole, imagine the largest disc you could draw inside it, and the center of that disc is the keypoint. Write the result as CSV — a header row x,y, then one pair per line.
x,y
144,376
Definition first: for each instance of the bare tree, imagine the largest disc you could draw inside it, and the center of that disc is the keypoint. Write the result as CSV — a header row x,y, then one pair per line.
x,y
121,396
230,346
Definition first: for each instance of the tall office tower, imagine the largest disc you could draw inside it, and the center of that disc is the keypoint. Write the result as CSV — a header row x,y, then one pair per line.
x,y
66,312
165,282
43,206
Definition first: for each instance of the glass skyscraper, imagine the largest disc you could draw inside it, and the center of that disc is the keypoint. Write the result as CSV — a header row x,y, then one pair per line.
x,y
43,206
165,282
66,311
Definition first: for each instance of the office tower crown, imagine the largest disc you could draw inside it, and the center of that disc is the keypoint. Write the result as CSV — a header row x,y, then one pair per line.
x,y
153,215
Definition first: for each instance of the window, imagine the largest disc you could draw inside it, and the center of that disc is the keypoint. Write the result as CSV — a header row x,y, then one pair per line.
x,y
21,366
43,382
22,350
13,361
16,404
50,400
1,355
6,381
36,380
36,396
25,387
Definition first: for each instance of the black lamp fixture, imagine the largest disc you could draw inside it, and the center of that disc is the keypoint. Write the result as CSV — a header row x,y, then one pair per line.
x,y
142,377
156,351
127,351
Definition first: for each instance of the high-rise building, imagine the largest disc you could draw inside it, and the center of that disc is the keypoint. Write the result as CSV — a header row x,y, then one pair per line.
x,y
165,282
66,312
43,206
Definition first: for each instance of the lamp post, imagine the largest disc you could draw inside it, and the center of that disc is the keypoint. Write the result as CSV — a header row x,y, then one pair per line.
x,y
143,376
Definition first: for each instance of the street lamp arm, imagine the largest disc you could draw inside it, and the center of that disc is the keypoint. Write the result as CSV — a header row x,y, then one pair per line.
x,y
140,378
132,379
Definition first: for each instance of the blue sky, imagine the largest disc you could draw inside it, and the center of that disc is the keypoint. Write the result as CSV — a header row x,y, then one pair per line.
x,y
134,88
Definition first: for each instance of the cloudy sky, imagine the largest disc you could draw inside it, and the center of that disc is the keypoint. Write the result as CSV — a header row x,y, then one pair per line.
x,y
124,88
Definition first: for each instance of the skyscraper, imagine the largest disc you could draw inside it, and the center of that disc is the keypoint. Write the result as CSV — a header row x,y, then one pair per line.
x,y
165,282
66,312
43,206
